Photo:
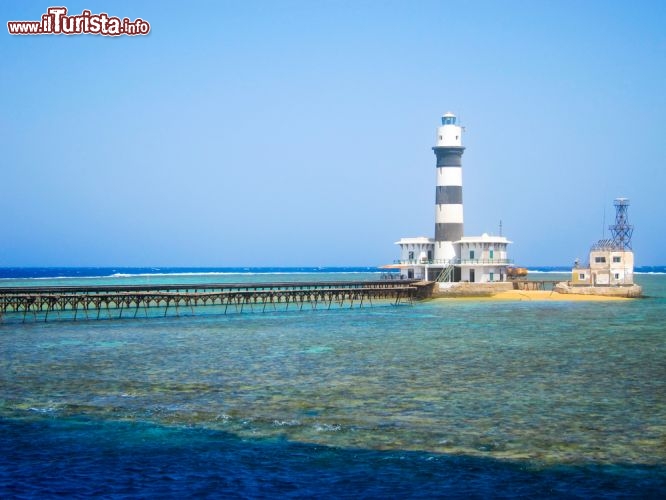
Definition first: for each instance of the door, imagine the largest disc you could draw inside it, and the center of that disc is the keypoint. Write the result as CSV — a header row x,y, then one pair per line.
x,y
471,275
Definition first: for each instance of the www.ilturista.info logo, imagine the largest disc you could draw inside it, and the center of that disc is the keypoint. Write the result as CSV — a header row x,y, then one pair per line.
x,y
56,22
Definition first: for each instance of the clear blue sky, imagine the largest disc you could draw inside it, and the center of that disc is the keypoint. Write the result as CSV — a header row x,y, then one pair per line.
x,y
259,133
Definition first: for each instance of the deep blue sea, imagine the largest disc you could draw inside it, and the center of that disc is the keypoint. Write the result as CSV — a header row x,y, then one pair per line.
x,y
443,398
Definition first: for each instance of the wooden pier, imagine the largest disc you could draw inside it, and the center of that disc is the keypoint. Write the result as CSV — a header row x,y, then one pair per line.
x,y
131,301
522,284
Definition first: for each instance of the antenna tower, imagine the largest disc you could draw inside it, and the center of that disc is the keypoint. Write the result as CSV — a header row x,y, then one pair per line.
x,y
621,230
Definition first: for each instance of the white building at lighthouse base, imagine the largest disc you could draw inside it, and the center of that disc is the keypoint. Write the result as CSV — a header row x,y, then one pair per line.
x,y
478,259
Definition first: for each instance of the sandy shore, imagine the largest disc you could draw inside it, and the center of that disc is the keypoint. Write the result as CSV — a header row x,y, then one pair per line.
x,y
548,296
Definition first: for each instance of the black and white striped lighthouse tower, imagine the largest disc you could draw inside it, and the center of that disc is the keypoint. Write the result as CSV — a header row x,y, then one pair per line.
x,y
448,197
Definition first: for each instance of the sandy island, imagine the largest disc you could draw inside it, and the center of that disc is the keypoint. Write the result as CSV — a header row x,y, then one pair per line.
x,y
546,295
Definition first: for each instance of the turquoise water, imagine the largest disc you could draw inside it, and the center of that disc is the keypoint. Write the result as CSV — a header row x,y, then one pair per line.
x,y
570,395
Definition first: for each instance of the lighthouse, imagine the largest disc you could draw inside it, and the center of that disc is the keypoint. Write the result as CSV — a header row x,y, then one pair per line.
x,y
451,256
448,194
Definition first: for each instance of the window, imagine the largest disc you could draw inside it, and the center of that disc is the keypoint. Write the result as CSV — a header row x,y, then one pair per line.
x,y
492,252
581,276
617,276
600,260
471,254
411,255
617,258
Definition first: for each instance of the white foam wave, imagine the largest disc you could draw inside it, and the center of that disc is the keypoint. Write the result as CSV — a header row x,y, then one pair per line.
x,y
229,273
42,410
198,273
327,428
42,278
286,423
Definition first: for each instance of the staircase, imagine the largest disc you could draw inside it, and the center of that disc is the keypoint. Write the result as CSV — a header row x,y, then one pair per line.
x,y
446,274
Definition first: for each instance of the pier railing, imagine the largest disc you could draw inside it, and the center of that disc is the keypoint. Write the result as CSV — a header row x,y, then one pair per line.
x,y
125,301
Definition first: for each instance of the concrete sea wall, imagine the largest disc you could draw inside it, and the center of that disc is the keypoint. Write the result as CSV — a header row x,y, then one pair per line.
x,y
609,291
469,289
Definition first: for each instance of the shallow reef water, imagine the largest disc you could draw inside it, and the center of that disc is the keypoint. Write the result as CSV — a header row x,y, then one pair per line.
x,y
439,398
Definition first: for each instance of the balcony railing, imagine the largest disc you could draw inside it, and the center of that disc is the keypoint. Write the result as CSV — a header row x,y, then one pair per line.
x,y
421,262
457,262
497,262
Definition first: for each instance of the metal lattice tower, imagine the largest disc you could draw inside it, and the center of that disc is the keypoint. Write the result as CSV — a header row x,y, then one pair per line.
x,y
621,230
